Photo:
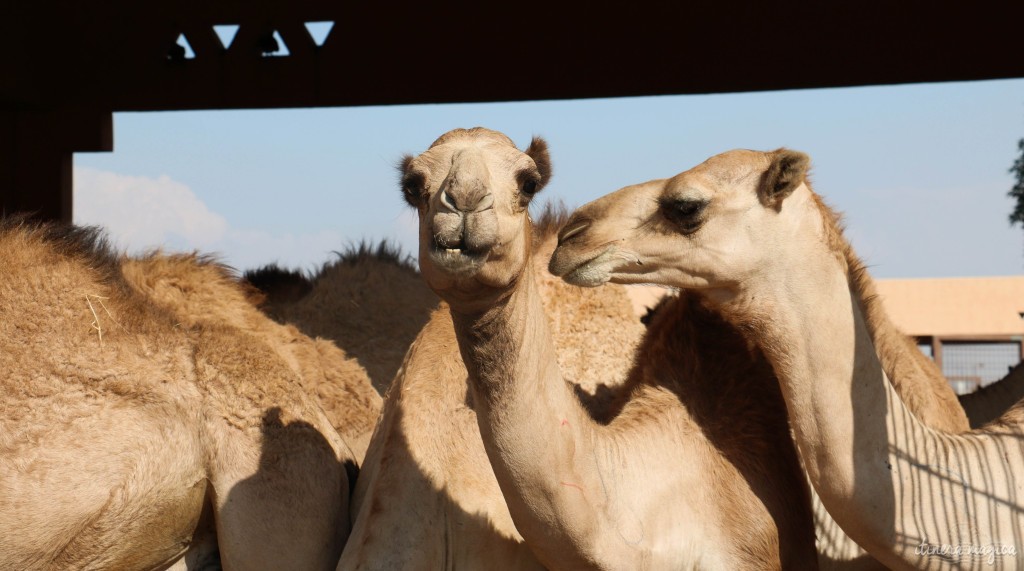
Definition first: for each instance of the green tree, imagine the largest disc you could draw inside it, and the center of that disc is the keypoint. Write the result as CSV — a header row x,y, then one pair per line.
x,y
1017,192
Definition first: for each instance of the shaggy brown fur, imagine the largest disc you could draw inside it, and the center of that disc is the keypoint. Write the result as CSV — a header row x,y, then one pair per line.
x,y
278,284
122,421
198,290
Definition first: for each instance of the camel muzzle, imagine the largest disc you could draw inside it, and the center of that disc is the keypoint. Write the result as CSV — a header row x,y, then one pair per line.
x,y
462,241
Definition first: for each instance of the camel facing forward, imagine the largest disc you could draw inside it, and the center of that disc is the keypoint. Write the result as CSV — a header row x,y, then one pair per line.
x,y
661,477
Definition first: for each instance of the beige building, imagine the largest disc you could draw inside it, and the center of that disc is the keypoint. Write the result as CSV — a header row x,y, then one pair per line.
x,y
972,327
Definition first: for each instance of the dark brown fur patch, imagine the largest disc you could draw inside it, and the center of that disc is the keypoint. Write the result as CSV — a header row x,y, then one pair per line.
x,y
278,284
383,252
410,182
538,151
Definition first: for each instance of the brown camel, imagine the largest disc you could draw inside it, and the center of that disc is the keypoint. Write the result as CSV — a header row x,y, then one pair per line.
x,y
661,474
745,230
370,301
990,402
130,434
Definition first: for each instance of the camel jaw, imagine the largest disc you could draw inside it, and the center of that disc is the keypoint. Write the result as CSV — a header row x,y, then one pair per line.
x,y
457,262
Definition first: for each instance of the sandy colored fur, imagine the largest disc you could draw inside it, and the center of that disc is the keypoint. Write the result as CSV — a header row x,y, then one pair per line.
x,y
918,380
109,449
370,302
198,290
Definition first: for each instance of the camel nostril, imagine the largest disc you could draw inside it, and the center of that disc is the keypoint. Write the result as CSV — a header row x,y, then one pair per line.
x,y
447,201
573,228
486,202
467,203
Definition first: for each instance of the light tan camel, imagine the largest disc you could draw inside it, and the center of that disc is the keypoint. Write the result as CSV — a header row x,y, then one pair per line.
x,y
128,434
745,230
427,497
370,301
666,477
990,402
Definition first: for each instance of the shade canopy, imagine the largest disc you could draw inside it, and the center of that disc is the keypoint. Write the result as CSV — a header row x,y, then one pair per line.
x,y
66,66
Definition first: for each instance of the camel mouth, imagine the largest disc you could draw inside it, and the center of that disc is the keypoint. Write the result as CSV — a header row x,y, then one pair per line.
x,y
591,272
457,261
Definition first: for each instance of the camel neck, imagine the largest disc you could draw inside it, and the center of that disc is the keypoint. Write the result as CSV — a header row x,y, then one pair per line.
x,y
532,426
506,341
898,488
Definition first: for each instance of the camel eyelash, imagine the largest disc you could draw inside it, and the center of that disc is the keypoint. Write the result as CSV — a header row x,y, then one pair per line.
x,y
412,183
685,213
529,182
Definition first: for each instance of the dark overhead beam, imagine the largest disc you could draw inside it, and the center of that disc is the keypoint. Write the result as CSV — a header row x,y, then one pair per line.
x,y
66,66
114,54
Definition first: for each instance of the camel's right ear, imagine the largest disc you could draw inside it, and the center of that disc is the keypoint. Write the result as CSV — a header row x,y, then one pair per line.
x,y
412,182
538,151
786,173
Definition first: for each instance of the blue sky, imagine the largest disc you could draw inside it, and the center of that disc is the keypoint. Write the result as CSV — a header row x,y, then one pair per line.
x,y
921,171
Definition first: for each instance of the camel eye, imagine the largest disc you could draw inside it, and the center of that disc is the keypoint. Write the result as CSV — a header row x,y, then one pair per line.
x,y
529,187
412,187
687,214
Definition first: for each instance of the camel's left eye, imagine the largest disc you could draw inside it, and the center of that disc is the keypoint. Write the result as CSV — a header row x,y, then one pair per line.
x,y
685,213
529,187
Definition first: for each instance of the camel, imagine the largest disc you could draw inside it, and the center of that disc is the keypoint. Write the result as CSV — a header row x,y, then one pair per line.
x,y
745,231
658,475
131,436
370,301
426,497
198,290
990,402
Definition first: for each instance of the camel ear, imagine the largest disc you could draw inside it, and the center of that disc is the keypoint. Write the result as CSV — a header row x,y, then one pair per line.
x,y
786,173
411,182
538,151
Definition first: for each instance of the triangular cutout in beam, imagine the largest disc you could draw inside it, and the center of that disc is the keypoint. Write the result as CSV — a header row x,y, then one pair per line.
x,y
226,34
319,31
181,50
273,45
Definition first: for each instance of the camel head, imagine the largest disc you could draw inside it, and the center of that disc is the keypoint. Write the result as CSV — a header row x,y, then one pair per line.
x,y
472,189
711,227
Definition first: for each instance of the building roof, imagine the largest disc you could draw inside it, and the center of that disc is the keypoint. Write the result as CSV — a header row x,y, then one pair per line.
x,y
968,307
944,307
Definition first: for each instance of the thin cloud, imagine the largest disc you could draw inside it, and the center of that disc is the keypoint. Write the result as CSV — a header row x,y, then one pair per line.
x,y
141,213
